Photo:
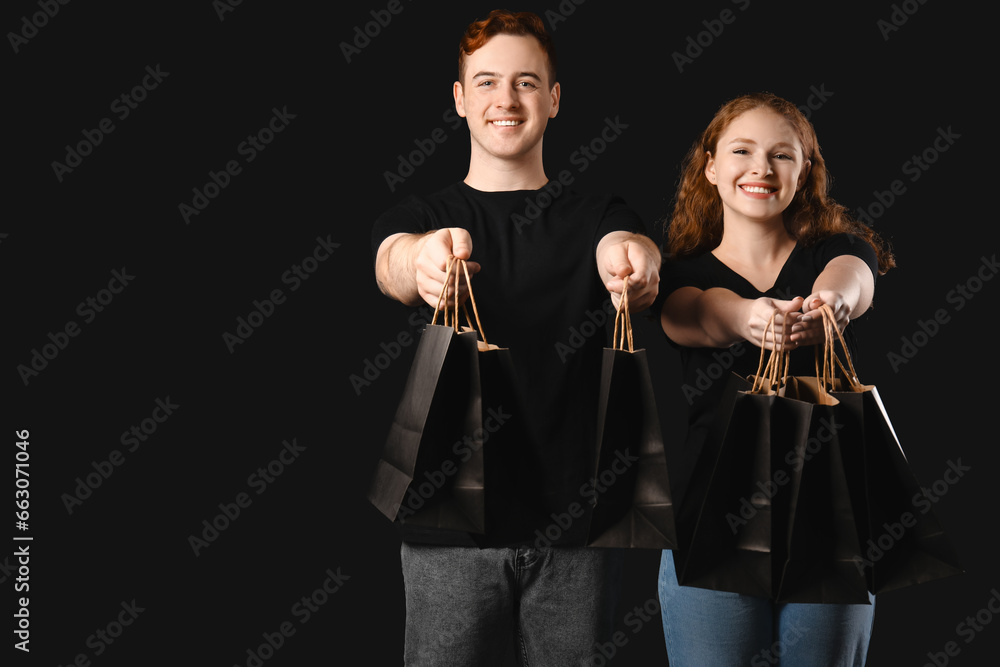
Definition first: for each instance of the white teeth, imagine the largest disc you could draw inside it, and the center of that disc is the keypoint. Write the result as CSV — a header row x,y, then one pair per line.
x,y
756,190
507,123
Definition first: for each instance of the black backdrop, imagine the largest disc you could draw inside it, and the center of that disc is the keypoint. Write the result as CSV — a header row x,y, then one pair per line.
x,y
115,574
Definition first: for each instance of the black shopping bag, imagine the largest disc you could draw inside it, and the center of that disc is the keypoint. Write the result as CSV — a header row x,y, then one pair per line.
x,y
902,542
827,513
633,506
772,510
431,469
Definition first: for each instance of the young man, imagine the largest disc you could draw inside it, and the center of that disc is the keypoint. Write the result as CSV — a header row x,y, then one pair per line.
x,y
547,261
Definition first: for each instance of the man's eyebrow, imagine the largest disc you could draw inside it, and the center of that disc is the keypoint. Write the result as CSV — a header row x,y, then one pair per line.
x,y
498,76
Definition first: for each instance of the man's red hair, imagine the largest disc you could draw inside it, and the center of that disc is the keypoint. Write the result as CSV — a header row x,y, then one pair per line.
x,y
503,22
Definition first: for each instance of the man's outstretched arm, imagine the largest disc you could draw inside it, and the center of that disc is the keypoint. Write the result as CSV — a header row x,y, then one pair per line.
x,y
411,267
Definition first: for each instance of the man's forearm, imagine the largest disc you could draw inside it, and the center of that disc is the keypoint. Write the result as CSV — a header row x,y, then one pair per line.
x,y
395,271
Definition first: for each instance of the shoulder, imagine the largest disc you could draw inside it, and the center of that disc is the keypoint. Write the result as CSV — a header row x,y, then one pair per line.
x,y
702,266
414,214
422,209
702,271
607,212
424,202
840,244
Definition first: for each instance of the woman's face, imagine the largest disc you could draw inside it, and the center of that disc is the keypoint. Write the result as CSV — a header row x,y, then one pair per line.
x,y
758,166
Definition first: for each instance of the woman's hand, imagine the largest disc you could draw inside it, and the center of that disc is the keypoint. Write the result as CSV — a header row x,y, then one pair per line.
x,y
809,329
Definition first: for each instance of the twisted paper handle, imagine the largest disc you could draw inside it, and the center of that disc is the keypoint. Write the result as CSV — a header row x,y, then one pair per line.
x,y
622,316
451,271
831,335
777,362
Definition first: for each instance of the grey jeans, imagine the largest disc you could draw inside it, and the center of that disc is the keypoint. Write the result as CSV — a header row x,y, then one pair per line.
x,y
474,607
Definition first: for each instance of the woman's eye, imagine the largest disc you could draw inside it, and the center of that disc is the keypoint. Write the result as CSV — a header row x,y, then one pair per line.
x,y
741,151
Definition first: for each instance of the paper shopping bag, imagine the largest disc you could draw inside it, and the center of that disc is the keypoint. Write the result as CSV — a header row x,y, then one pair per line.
x,y
431,469
634,507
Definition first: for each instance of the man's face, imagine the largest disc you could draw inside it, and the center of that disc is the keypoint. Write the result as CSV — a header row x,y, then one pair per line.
x,y
506,97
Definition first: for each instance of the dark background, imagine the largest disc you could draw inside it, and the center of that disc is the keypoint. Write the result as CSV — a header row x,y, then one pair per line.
x,y
885,95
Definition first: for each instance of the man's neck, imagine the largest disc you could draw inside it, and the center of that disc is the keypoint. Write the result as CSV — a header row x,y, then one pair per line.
x,y
492,174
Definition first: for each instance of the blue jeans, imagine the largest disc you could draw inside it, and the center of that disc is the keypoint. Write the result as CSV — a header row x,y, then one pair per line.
x,y
469,607
705,628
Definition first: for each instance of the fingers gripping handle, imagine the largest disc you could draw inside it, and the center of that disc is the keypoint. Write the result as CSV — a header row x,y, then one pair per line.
x,y
452,273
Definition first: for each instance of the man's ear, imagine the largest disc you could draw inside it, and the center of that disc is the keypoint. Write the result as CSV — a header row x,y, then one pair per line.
x,y
555,93
459,94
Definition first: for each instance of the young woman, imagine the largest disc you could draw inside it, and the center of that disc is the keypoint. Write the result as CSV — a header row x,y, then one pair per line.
x,y
753,232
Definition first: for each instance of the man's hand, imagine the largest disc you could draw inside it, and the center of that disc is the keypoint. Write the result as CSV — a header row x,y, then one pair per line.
x,y
431,263
621,254
411,267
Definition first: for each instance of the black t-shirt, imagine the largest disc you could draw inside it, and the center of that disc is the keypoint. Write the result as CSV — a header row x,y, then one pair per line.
x,y
706,370
539,295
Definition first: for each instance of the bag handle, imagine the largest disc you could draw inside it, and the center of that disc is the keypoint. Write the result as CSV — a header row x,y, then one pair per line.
x,y
830,354
777,362
622,315
450,271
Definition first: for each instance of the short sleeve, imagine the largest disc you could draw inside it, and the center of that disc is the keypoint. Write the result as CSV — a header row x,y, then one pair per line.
x,y
411,216
618,217
688,272
846,244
